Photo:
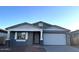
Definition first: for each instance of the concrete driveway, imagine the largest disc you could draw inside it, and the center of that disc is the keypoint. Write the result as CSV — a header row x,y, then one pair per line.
x,y
39,48
61,49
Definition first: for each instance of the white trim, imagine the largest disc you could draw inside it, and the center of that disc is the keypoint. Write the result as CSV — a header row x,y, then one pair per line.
x,y
41,35
26,35
21,29
20,40
15,35
8,36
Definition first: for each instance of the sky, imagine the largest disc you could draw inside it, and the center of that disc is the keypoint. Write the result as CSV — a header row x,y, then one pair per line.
x,y
64,16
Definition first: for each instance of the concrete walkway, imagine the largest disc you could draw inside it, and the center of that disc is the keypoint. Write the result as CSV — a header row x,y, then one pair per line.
x,y
61,49
34,48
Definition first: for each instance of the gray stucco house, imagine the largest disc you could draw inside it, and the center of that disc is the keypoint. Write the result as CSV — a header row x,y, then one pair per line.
x,y
37,33
3,36
75,37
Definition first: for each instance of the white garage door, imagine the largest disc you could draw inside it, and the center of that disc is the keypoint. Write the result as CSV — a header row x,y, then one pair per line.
x,y
54,39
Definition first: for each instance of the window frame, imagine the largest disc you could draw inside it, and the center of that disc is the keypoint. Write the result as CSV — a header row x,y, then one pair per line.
x,y
26,36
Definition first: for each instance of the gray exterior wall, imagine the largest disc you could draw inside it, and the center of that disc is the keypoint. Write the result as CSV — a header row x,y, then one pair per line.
x,y
30,39
75,38
68,38
13,41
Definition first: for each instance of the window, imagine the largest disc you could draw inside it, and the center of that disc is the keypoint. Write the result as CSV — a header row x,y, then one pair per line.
x,y
22,35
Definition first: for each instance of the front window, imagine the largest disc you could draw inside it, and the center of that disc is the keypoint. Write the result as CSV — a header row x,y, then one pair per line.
x,y
22,35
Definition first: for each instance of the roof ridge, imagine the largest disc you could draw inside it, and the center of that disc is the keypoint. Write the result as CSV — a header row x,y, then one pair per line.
x,y
42,22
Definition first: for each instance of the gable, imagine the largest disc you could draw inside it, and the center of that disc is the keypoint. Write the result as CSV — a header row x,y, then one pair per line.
x,y
42,24
47,26
36,26
23,27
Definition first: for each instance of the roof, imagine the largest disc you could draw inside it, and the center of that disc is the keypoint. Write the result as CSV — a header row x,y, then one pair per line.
x,y
45,25
76,31
60,27
19,25
16,25
1,30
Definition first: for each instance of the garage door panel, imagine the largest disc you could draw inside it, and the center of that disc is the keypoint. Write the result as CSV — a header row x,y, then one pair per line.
x,y
54,39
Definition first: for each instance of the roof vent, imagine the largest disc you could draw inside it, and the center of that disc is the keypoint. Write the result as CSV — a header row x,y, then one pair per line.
x,y
40,24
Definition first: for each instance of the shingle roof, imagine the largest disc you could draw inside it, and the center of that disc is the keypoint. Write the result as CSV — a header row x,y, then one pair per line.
x,y
75,31
45,25
19,25
1,30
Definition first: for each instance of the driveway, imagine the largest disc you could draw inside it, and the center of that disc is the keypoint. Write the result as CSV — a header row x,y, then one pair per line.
x,y
39,48
61,49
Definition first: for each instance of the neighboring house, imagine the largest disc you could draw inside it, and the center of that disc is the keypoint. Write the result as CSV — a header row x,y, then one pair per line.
x,y
75,37
38,33
3,36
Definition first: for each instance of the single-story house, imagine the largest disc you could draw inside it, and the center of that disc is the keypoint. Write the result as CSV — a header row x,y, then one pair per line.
x,y
38,33
75,37
3,36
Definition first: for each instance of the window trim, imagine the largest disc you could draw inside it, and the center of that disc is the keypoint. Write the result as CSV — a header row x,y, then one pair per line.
x,y
20,39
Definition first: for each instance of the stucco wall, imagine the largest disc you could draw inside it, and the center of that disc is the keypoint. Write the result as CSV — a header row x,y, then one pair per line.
x,y
3,34
15,42
68,36
75,38
30,39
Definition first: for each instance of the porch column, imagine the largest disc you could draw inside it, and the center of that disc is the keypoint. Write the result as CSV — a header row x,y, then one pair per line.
x,y
15,35
8,35
41,35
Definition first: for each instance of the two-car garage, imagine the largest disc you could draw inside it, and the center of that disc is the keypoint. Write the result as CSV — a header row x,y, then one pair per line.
x,y
54,39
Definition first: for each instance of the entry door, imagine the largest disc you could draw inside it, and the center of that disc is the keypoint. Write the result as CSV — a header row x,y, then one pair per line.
x,y
36,38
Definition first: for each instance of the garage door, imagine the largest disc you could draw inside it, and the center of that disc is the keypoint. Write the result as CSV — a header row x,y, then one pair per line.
x,y
54,39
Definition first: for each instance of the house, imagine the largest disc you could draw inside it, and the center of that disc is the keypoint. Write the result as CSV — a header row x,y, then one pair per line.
x,y
3,36
37,33
75,37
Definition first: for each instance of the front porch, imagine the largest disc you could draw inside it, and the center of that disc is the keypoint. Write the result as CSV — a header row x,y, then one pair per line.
x,y
23,38
27,48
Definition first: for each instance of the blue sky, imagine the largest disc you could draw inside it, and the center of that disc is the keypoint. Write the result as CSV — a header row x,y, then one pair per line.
x,y
64,16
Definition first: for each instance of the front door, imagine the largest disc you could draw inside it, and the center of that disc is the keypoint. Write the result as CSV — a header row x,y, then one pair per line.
x,y
36,37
